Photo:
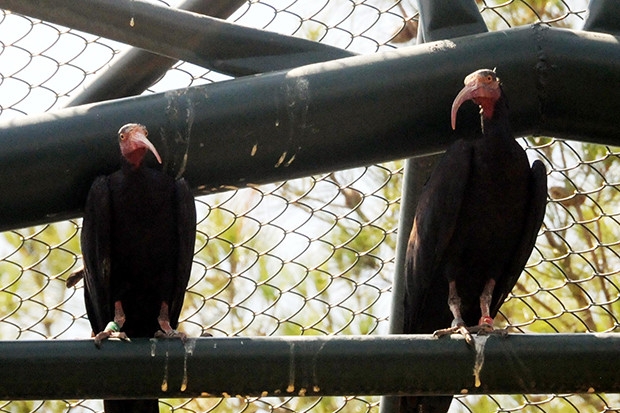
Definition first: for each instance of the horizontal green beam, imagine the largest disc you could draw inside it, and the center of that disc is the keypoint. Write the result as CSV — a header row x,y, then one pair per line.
x,y
211,43
314,119
309,366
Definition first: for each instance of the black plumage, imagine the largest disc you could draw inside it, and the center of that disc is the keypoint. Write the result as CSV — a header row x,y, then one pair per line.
x,y
137,241
474,229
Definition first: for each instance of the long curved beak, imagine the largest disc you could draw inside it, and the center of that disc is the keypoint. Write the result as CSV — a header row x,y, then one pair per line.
x,y
467,93
140,139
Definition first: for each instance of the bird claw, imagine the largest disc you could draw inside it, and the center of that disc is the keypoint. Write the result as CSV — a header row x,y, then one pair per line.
x,y
444,332
459,329
171,334
482,329
485,327
464,331
107,334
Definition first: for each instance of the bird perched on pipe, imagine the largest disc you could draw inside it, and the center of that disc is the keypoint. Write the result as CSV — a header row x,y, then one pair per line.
x,y
474,228
137,239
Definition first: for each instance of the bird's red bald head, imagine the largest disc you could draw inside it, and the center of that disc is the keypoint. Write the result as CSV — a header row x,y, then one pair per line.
x,y
134,144
483,88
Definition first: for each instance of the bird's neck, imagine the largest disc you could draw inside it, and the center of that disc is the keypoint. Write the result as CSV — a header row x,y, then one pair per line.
x,y
134,158
498,124
131,164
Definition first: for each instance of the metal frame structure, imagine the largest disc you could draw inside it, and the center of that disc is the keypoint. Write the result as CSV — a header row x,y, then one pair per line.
x,y
281,124
310,366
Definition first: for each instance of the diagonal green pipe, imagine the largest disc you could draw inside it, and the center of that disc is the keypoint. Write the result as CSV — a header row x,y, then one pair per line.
x,y
317,118
136,69
603,16
215,44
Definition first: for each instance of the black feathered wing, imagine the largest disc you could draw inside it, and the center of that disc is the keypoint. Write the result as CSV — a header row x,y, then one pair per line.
x,y
436,218
535,213
96,247
186,227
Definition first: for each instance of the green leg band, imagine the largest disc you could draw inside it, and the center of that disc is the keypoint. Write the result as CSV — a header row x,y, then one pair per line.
x,y
112,326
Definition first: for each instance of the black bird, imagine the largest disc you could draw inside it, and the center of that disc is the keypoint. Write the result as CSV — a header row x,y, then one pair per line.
x,y
474,229
137,241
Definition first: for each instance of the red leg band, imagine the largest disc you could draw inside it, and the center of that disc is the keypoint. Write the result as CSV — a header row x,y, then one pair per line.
x,y
486,320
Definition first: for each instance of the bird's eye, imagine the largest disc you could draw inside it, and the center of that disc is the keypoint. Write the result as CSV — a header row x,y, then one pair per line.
x,y
122,136
489,78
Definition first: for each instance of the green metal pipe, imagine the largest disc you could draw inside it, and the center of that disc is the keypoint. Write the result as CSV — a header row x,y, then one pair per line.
x,y
446,19
136,69
317,118
226,47
603,16
309,366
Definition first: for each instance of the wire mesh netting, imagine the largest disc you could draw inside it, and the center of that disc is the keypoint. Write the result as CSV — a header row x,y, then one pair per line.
x,y
312,256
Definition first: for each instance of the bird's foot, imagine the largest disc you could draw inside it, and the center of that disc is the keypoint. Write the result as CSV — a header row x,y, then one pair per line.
x,y
485,326
458,327
484,330
171,334
112,330
104,335
165,329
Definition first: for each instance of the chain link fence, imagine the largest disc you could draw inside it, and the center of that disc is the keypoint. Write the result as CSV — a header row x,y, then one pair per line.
x,y
312,256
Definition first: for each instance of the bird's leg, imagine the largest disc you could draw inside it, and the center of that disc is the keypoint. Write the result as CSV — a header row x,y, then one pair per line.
x,y
486,321
164,324
458,325
485,325
113,329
